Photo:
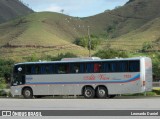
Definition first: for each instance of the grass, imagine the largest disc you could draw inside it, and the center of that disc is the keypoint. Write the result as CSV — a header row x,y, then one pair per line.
x,y
44,29
2,83
11,9
18,54
134,40
141,94
154,92
129,30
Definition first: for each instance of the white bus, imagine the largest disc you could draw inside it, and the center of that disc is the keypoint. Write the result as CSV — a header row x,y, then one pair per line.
x,y
90,77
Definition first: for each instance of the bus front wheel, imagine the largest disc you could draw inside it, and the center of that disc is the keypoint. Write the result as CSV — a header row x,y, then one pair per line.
x,y
27,93
89,92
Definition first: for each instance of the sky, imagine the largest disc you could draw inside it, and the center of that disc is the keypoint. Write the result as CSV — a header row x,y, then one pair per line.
x,y
76,8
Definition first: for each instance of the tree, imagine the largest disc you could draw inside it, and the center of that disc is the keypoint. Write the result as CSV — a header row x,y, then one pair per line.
x,y
84,42
62,11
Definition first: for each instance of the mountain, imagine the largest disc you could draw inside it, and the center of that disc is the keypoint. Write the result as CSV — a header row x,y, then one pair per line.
x,y
136,39
125,19
47,33
10,9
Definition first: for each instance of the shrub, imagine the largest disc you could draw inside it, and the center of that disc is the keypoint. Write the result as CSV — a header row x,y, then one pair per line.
x,y
110,53
146,46
6,69
156,91
2,83
84,42
65,55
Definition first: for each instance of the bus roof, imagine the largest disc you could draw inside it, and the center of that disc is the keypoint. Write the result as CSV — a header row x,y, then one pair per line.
x,y
71,60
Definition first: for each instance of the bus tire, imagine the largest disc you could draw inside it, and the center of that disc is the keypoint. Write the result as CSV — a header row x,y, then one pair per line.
x,y
101,92
89,92
27,93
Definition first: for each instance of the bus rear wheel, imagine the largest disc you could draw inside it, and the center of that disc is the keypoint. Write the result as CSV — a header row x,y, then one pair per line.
x,y
101,92
89,92
27,93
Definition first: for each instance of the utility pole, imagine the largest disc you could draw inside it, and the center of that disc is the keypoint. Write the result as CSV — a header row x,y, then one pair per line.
x,y
89,42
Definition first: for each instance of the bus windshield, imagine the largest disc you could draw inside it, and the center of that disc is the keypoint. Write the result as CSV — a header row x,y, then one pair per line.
x,y
18,77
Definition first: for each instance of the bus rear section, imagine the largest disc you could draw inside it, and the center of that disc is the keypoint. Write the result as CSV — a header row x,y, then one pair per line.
x,y
146,70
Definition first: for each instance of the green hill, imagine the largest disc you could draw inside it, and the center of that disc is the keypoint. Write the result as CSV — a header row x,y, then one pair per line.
x,y
126,18
10,9
42,31
47,33
128,27
135,40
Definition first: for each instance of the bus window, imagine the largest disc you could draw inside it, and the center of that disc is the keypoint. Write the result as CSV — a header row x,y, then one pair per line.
x,y
75,68
110,67
89,68
123,66
82,68
105,67
19,75
35,69
50,69
42,69
63,68
113,67
97,67
46,69
134,66
28,69
32,69
19,69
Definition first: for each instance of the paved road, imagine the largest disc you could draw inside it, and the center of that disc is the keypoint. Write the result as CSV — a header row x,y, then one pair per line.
x,y
152,103
145,103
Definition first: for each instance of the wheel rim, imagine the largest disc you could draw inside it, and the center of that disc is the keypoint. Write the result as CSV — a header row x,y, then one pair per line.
x,y
102,93
27,93
88,93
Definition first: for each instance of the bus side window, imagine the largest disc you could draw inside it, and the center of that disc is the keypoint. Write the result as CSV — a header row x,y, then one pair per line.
x,y
89,68
105,67
97,67
63,68
134,66
42,69
81,68
75,68
113,67
123,66
35,69
28,69
50,69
